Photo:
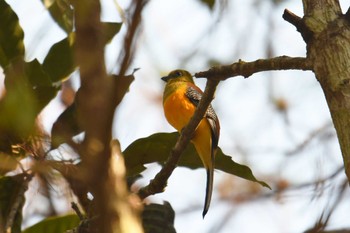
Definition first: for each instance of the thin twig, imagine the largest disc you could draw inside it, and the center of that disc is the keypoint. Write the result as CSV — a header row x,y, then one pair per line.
x,y
323,220
159,182
126,56
246,69
258,196
313,135
75,207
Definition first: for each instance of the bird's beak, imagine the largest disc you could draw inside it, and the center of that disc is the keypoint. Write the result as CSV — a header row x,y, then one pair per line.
x,y
165,78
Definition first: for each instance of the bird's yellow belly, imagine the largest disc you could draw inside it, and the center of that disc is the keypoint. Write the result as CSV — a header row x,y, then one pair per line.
x,y
178,110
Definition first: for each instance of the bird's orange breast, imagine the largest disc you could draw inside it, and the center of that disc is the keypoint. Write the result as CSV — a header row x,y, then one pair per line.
x,y
178,109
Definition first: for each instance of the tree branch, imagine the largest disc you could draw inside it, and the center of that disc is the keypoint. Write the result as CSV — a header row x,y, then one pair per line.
x,y
298,22
18,202
96,101
291,18
126,206
246,69
159,182
95,109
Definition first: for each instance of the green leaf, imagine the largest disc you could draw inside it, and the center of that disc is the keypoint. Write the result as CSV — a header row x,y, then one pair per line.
x,y
17,117
157,218
58,224
18,107
62,13
28,91
44,90
44,94
11,35
12,189
36,75
157,147
110,30
59,62
65,127
41,87
209,3
122,84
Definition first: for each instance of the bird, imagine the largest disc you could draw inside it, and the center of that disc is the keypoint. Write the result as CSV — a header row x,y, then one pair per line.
x,y
180,99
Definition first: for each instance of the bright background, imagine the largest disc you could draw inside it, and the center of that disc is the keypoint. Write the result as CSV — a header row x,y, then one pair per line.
x,y
278,123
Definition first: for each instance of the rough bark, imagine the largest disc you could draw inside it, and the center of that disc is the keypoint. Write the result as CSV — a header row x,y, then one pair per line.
x,y
329,50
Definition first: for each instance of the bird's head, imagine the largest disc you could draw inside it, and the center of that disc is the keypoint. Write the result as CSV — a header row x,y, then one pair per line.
x,y
178,76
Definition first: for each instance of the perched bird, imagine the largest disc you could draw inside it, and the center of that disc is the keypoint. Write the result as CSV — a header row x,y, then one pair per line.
x,y
180,99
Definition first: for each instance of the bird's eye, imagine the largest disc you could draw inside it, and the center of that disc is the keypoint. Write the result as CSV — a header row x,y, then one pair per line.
x,y
178,73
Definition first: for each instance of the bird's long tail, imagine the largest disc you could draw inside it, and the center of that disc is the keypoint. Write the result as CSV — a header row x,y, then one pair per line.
x,y
209,189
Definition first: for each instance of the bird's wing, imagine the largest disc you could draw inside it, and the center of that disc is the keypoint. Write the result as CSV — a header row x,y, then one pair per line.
x,y
194,94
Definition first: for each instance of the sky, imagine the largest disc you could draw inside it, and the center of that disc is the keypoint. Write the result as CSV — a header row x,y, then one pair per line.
x,y
187,34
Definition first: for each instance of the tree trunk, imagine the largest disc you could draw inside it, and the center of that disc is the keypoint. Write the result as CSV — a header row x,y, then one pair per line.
x,y
328,48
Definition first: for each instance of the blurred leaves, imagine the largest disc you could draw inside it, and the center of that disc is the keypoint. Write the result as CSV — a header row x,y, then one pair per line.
x,y
109,30
36,75
43,88
11,35
11,202
157,147
157,218
55,224
30,86
28,90
62,13
122,84
67,126
18,107
59,62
